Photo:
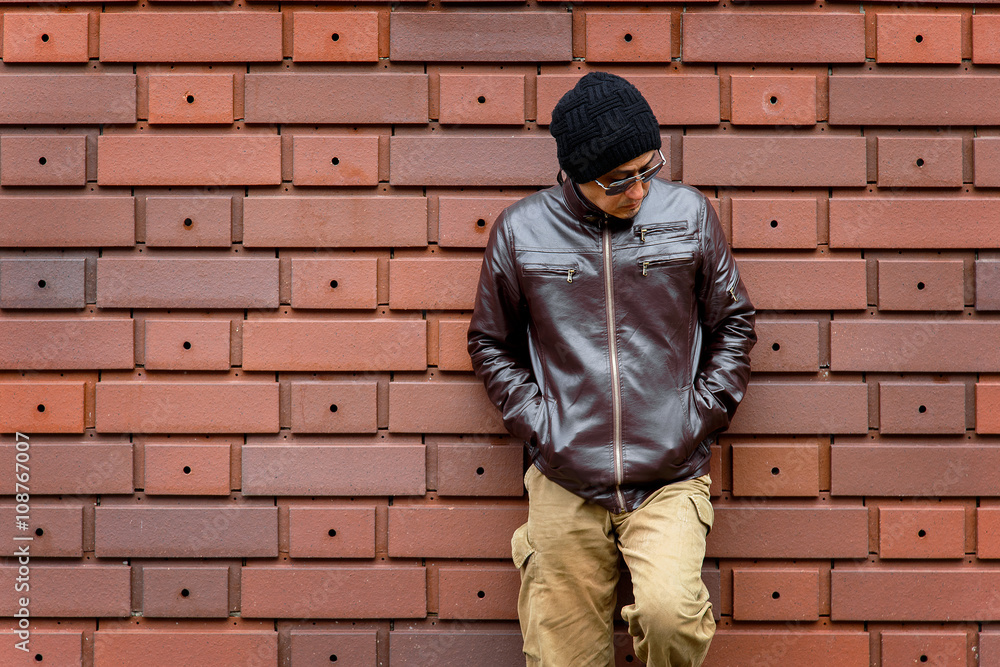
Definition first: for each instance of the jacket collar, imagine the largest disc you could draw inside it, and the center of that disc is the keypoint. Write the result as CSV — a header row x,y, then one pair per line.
x,y
584,210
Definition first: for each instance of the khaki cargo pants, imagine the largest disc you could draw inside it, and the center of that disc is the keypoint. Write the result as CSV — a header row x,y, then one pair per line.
x,y
567,553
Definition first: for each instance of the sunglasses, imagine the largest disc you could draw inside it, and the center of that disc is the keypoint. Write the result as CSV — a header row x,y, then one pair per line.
x,y
619,187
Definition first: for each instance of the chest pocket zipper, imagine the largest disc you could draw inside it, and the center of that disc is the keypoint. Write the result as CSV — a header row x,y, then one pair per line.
x,y
645,264
567,270
659,228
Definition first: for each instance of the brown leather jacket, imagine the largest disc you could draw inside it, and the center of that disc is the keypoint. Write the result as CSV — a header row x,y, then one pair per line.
x,y
616,349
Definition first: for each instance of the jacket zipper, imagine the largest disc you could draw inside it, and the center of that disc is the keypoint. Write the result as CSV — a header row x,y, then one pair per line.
x,y
659,261
616,397
568,271
659,228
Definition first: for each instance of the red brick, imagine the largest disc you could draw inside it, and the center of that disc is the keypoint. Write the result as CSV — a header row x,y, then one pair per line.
x,y
36,407
930,595
447,531
353,99
465,222
453,350
196,469
915,408
986,39
919,38
442,407
478,593
57,648
816,531
191,592
70,590
775,470
335,160
335,345
360,222
456,648
775,595
127,282
66,98
774,161
947,649
906,532
315,649
902,100
68,344
774,647
773,100
774,223
786,347
921,285
334,470
773,38
987,407
900,224
43,160
333,592
59,222
82,468
989,649
55,530
190,98
42,283
919,162
200,160
452,160
186,345
187,222
931,469
805,284
986,158
334,407
162,648
182,407
676,99
493,99
932,346
433,284
190,37
988,532
466,36
628,37
340,532
987,284
45,38
334,36
820,407
479,470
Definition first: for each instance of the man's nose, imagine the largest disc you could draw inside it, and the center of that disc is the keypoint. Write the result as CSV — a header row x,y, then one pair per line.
x,y
635,190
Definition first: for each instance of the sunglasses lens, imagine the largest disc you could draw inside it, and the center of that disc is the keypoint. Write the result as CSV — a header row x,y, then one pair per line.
x,y
621,188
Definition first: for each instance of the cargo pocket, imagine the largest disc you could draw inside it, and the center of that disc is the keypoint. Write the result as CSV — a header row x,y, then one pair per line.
x,y
520,547
706,514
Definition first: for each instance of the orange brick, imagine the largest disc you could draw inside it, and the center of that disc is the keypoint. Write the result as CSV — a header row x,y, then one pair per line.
x,y
453,347
340,532
948,469
774,223
162,648
905,532
334,283
188,160
55,530
71,590
448,531
60,648
805,284
197,469
820,407
918,38
45,38
931,346
465,222
43,160
947,649
67,221
785,347
69,344
334,407
459,646
37,407
190,98
910,223
478,592
986,39
987,407
481,36
930,594
628,37
902,100
479,470
493,99
190,37
773,100
921,285
186,222
986,158
988,532
919,162
337,160
775,470
433,284
42,283
451,160
82,468
334,36
66,98
775,595
755,531
773,38
816,649
186,592
187,345
442,407
352,648
915,408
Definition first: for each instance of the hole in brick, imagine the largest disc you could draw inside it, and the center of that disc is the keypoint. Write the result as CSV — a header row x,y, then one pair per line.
x,y
41,408
921,533
775,595
190,99
922,409
923,658
919,38
630,658
38,657
774,223
333,408
481,222
480,470
334,283
41,160
774,99
45,38
481,594
187,345
41,283
39,532
188,222
332,532
335,160
185,592
920,285
920,162
482,99
628,37
775,470
187,470
333,658
776,347
335,37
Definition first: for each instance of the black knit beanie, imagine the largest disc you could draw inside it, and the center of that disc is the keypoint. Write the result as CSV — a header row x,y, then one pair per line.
x,y
604,121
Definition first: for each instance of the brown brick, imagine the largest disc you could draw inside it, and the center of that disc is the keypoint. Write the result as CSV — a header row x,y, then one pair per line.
x,y
334,36
186,345
989,649
340,532
55,530
447,531
335,98
190,37
334,283
362,345
905,532
467,36
919,38
820,407
335,160
334,592
42,283
58,648
914,408
479,592
45,38
986,39
947,649
68,344
187,283
902,100
433,284
313,648
187,222
442,407
453,349
465,222
417,160
774,223
83,468
334,470
816,649
190,98
988,532
43,160
334,407
196,469
929,595
181,407
773,100
58,222
986,161
628,37
479,470
455,648
360,222
817,531
775,469
492,99
773,38
36,407
987,284
805,284
162,648
931,469
785,346
930,346
775,595
919,162
921,285
71,590
200,160
987,407
53,99
900,224
192,592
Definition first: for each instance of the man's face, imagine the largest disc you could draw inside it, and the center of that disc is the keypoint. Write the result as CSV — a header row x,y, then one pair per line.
x,y
627,204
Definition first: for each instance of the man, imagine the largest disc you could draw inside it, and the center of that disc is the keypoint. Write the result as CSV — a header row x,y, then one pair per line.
x,y
612,330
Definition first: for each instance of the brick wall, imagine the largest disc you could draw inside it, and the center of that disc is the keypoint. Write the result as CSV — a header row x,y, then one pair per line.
x,y
238,250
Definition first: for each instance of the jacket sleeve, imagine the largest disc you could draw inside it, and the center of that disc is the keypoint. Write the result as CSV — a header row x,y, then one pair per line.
x,y
727,320
498,338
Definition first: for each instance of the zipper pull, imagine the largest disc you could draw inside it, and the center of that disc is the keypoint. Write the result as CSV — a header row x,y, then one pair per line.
x,y
569,275
733,294
644,265
642,237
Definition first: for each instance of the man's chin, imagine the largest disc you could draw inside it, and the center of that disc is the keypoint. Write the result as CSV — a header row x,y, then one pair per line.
x,y
628,213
